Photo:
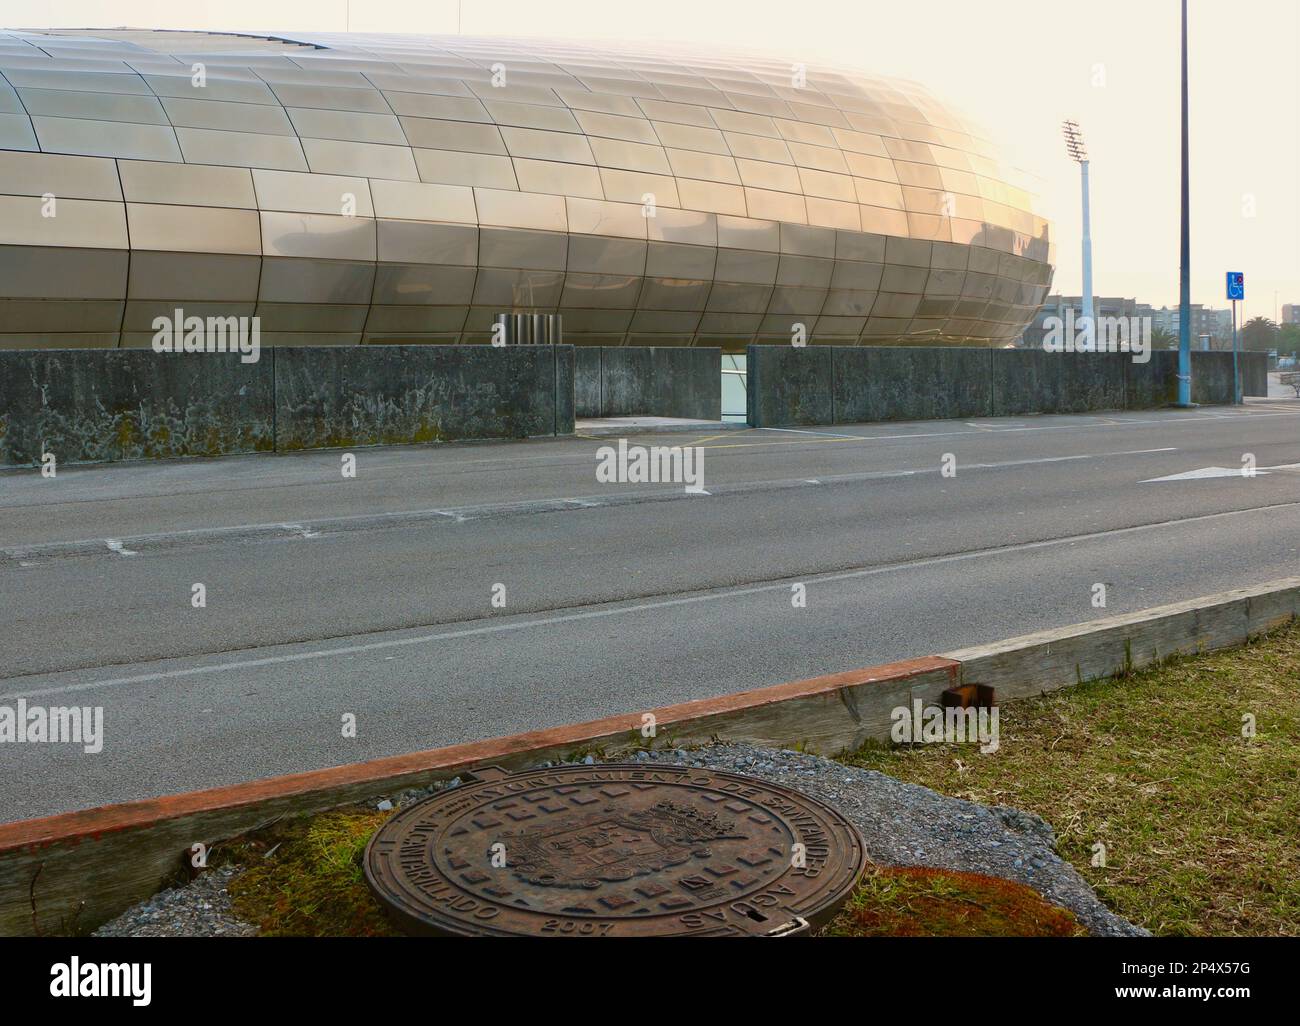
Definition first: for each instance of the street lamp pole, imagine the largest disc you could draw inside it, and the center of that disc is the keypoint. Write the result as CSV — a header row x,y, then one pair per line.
x,y
1078,151
1185,262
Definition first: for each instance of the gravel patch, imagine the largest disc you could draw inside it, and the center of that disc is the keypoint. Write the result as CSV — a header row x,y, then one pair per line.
x,y
201,908
902,824
908,825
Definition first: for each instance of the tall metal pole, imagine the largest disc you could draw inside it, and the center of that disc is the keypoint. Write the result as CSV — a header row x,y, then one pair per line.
x,y
1185,265
1089,325
1236,374
1078,151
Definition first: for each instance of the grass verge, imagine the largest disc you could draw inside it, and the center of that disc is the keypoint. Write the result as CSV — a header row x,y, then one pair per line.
x,y
1200,824
304,877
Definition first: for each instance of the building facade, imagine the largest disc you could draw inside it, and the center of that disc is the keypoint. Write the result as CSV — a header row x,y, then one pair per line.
x,y
350,189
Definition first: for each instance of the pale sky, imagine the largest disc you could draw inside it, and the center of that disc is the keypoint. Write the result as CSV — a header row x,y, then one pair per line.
x,y
1017,67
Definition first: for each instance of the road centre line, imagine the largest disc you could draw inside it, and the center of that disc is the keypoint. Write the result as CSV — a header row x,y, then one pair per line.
x,y
605,612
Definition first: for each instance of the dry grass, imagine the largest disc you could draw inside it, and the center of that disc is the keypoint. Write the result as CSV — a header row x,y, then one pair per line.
x,y
1201,825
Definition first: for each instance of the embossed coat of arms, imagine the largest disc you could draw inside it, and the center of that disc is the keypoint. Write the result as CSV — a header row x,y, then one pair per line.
x,y
609,844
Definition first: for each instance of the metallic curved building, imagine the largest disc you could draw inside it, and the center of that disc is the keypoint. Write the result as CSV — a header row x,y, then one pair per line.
x,y
352,189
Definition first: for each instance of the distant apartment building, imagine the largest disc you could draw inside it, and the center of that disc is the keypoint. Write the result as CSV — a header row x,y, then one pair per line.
x,y
1205,321
1291,313
1056,306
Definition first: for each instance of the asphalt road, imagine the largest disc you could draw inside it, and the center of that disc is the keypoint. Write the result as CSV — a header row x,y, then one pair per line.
x,y
372,596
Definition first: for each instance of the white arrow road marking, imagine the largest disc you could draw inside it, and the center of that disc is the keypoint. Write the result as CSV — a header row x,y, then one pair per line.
x,y
116,546
1206,472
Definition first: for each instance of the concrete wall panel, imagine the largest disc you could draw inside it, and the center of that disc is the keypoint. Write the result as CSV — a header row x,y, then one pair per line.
x,y
92,405
1025,381
1090,381
586,381
789,386
328,397
871,383
95,405
911,383
1151,384
653,381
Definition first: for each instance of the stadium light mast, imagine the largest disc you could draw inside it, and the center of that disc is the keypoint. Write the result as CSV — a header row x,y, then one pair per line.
x,y
1078,151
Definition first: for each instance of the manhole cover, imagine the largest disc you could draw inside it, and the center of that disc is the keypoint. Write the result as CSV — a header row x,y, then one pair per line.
x,y
613,851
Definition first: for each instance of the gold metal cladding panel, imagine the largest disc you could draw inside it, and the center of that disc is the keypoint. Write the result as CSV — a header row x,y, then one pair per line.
x,y
401,187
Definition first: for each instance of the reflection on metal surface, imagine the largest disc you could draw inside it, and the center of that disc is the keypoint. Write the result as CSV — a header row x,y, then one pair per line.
x,y
408,188
615,850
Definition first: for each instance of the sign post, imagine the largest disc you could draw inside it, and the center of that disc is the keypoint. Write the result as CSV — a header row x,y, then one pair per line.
x,y
1236,291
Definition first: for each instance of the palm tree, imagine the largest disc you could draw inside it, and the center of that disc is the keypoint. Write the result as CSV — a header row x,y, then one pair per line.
x,y
1162,338
1259,333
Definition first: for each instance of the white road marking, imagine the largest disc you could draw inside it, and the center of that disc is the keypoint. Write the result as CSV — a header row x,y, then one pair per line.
x,y
116,546
605,612
805,431
300,531
1205,473
1056,459
1199,475
547,505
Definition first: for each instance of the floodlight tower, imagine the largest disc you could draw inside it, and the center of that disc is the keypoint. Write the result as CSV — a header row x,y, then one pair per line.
x,y
1078,151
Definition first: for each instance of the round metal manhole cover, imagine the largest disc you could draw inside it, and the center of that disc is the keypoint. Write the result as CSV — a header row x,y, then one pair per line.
x,y
613,851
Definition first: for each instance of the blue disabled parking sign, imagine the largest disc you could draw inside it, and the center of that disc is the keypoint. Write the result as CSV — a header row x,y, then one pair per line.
x,y
1236,285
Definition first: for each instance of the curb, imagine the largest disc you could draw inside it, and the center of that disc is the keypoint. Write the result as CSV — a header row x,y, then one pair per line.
x,y
69,873
642,430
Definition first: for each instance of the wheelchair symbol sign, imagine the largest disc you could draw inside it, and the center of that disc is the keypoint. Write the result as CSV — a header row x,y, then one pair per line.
x,y
1236,285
